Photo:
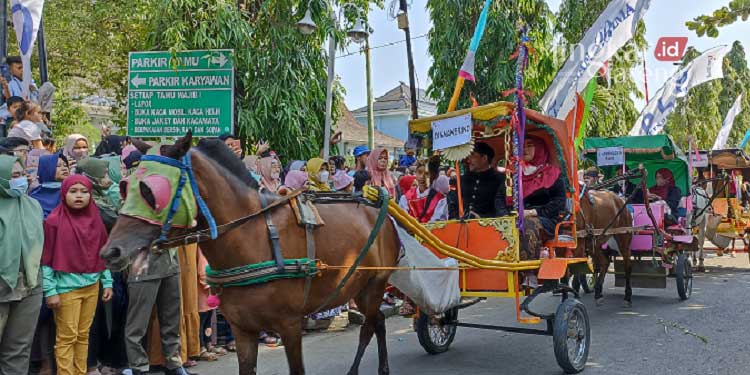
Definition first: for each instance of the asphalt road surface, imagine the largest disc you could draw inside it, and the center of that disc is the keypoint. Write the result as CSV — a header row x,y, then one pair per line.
x,y
658,335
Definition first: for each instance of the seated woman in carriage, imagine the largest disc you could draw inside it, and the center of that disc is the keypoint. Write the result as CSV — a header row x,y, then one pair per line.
x,y
544,199
665,191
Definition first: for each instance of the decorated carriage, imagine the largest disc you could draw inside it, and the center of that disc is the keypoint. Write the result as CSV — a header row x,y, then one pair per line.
x,y
488,248
662,240
726,170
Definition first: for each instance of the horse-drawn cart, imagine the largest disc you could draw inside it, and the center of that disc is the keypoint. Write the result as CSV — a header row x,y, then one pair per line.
x,y
488,248
662,238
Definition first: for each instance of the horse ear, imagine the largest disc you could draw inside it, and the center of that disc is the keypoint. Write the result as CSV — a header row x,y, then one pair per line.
x,y
180,148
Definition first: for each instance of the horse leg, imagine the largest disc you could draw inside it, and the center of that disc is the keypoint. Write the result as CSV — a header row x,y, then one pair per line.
x,y
623,241
247,351
602,262
291,335
369,302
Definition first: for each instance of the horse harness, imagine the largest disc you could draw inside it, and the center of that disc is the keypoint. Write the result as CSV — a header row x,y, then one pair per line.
x,y
302,203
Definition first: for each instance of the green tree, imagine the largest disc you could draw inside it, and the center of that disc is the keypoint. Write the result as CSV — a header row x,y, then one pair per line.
x,y
280,73
710,24
453,24
613,111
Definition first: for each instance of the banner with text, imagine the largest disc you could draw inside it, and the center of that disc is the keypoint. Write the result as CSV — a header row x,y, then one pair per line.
x,y
450,132
704,68
169,95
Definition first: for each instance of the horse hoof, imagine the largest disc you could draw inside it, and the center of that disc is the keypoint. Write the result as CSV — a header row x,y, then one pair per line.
x,y
384,371
599,301
627,304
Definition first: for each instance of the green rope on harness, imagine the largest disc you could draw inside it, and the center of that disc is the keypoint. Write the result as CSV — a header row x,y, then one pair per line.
x,y
260,273
382,214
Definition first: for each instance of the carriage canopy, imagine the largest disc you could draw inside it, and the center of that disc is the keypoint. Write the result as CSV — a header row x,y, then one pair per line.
x,y
653,151
491,121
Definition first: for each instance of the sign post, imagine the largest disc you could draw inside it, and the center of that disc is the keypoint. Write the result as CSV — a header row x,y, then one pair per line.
x,y
169,95
610,156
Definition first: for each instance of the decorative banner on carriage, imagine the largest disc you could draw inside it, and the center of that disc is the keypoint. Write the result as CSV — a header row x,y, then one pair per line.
x,y
726,128
704,68
450,132
699,160
745,140
611,31
610,156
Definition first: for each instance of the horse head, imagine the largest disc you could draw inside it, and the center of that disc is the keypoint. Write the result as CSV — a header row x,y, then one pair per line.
x,y
146,201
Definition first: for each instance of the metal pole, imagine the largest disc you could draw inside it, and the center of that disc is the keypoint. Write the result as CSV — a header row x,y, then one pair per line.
x,y
329,95
370,110
42,53
410,57
3,30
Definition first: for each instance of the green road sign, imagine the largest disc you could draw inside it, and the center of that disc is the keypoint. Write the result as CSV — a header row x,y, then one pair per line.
x,y
167,96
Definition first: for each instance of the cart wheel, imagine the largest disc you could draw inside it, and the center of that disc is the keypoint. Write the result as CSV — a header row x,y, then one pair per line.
x,y
684,276
586,281
571,336
434,334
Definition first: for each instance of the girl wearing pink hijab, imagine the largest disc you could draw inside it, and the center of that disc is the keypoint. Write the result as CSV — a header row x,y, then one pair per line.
x,y
377,165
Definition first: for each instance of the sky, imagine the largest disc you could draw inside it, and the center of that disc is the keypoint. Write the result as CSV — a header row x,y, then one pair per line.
x,y
389,65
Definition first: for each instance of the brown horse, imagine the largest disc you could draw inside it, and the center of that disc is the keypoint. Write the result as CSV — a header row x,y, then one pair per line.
x,y
598,209
279,305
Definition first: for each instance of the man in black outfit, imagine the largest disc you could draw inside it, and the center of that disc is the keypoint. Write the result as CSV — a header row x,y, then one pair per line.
x,y
482,189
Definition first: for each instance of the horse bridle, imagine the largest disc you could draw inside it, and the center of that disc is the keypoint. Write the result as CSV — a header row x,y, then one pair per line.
x,y
213,231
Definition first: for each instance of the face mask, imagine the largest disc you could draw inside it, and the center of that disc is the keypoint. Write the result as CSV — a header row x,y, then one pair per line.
x,y
529,170
18,186
275,175
323,177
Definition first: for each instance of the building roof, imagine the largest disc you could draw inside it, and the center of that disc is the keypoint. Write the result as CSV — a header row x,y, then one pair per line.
x,y
355,133
399,98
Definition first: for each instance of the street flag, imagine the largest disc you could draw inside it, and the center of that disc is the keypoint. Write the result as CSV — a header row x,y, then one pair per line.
x,y
726,127
467,68
588,97
27,16
744,140
612,30
704,68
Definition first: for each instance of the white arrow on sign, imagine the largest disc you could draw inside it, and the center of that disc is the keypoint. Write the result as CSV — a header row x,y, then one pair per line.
x,y
221,60
137,81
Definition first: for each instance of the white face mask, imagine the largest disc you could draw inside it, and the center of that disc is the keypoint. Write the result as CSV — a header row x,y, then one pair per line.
x,y
275,175
528,170
323,177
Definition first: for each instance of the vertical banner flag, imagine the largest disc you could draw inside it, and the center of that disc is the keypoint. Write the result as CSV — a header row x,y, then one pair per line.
x,y
27,16
612,30
726,128
704,68
467,68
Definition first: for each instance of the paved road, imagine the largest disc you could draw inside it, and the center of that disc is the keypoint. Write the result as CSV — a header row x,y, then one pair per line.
x,y
659,335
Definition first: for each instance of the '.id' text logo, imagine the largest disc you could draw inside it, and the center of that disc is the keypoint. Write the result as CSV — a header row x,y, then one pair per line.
x,y
670,48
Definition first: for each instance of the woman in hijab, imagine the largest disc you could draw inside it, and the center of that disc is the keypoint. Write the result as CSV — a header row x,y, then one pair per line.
x,y
544,199
111,144
318,175
295,180
406,184
270,173
377,165
76,148
665,191
73,235
20,277
53,169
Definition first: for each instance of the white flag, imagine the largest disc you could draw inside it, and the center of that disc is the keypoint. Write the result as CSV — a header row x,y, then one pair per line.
x,y
726,128
704,68
27,16
612,30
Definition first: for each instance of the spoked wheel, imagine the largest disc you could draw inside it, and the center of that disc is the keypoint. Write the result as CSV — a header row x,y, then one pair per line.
x,y
684,276
436,334
571,336
585,281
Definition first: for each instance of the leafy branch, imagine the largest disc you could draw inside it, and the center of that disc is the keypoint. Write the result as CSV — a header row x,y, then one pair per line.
x,y
709,24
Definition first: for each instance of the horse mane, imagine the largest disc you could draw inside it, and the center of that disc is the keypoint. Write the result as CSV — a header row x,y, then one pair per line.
x,y
224,157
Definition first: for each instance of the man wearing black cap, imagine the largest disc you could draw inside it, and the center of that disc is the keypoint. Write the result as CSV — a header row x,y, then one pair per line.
x,y
483,188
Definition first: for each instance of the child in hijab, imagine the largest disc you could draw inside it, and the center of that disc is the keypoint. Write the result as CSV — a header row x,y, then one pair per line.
x,y
294,180
73,235
20,278
53,169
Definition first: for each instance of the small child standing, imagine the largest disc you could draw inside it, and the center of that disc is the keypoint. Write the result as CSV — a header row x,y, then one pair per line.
x,y
72,269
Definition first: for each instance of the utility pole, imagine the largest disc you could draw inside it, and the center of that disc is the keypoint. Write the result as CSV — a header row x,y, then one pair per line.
x,y
403,24
370,111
